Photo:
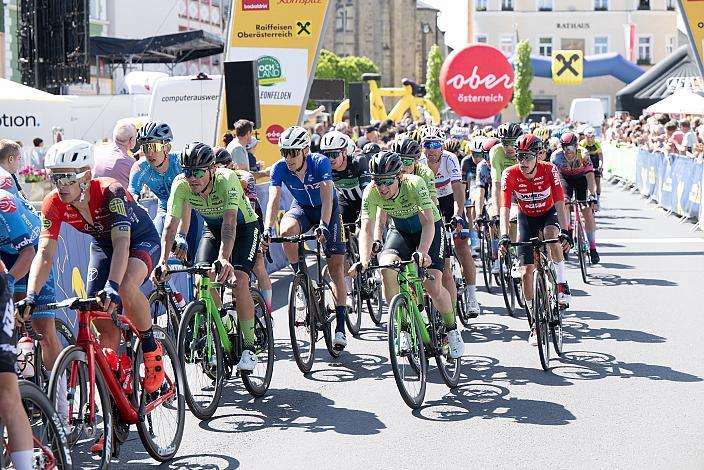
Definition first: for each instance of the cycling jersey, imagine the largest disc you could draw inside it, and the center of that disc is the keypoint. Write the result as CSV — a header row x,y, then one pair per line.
x,y
593,149
144,174
447,174
351,181
580,165
226,194
413,196
249,184
110,207
534,196
306,191
422,170
499,162
8,182
468,168
20,225
483,178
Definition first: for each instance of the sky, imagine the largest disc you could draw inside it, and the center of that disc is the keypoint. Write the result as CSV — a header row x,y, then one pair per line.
x,y
452,20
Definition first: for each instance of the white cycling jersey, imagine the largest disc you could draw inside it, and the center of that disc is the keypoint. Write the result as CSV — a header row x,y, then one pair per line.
x,y
448,173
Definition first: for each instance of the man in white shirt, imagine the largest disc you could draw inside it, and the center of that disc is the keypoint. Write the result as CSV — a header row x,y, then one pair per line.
x,y
238,147
689,141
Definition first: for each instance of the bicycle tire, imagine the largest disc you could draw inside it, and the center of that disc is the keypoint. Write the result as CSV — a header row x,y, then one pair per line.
x,y
462,301
56,438
539,322
170,319
354,314
306,325
450,369
506,284
326,306
65,333
376,308
485,254
264,348
75,355
400,315
555,320
201,405
582,252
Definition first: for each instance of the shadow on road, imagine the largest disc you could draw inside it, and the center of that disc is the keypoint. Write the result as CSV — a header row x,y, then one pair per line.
x,y
610,280
194,462
589,315
576,331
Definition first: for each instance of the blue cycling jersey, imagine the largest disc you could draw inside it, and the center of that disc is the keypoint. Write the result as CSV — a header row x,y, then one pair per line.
x,y
20,224
8,182
307,191
143,174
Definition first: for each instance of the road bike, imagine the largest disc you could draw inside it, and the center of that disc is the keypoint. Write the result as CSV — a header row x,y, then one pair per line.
x,y
485,233
414,337
546,314
164,308
363,290
100,403
210,344
510,281
581,245
456,269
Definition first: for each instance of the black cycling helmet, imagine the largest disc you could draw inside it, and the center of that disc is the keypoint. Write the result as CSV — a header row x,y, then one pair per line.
x,y
452,145
154,131
370,148
385,164
529,143
197,155
407,148
568,138
222,156
509,131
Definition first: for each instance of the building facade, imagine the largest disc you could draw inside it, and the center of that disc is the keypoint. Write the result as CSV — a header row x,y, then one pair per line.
x,y
593,26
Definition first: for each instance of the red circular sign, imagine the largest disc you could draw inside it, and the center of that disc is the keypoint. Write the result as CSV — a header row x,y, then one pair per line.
x,y
273,133
476,81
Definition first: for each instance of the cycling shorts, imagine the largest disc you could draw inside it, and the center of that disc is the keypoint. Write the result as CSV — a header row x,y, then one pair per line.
x,y
575,185
404,244
309,216
258,210
244,251
595,163
447,210
8,340
351,212
530,227
147,251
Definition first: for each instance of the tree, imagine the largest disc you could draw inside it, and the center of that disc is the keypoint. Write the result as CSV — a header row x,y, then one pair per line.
x,y
432,78
523,76
349,69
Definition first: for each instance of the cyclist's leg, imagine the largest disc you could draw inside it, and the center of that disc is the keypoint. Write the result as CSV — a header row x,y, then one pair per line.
x,y
335,249
259,269
469,269
98,271
43,323
442,298
243,257
397,247
447,208
293,223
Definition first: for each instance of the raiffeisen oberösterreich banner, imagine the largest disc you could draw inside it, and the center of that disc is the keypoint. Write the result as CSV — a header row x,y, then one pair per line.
x,y
284,38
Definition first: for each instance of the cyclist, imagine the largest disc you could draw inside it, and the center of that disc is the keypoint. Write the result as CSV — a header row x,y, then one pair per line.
x,y
502,156
593,147
308,176
157,170
543,133
451,198
483,191
410,153
468,167
537,189
370,149
230,236
417,228
577,175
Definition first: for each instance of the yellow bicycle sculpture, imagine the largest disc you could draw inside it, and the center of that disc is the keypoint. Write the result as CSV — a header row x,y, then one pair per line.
x,y
412,100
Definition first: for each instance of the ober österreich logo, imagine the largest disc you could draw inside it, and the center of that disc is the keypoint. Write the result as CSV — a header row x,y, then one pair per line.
x,y
249,5
273,133
269,71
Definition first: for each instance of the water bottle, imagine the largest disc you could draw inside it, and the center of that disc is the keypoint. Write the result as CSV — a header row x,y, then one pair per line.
x,y
180,301
126,365
115,364
300,304
25,358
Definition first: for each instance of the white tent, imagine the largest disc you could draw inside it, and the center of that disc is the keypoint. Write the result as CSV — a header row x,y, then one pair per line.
x,y
682,101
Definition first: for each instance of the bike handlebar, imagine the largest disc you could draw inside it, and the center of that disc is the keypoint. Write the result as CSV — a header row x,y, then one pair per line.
x,y
423,272
536,242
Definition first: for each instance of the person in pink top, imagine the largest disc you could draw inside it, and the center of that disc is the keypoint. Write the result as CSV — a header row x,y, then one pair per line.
x,y
112,159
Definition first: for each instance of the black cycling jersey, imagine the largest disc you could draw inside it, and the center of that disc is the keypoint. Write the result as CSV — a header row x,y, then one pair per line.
x,y
468,166
351,181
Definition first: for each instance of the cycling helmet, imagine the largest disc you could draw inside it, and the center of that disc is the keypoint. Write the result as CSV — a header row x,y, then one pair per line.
x,y
154,131
581,129
407,148
553,143
509,131
416,135
370,148
489,143
568,138
385,164
452,145
478,144
529,143
73,154
197,155
433,133
589,132
351,146
222,156
333,140
543,133
488,130
295,137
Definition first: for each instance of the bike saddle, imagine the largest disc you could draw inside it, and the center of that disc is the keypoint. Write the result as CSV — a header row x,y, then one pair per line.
x,y
371,76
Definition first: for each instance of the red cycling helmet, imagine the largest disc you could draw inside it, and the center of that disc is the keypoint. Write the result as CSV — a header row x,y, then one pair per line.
x,y
529,143
568,139
489,143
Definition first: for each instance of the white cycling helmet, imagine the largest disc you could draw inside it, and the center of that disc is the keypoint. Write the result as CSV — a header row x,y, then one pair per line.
x,y
589,132
334,140
295,137
433,133
478,144
73,154
351,146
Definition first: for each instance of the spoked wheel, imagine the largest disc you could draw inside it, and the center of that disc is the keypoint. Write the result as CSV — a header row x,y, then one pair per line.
x,y
257,382
327,306
555,320
485,253
462,302
375,301
582,252
540,310
507,288
301,324
407,352
517,282
201,355
163,314
449,368
161,429
354,290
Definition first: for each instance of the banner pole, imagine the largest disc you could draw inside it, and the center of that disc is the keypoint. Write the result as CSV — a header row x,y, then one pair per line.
x,y
226,54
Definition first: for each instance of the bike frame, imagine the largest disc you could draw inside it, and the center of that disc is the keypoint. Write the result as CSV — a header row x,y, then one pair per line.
x,y
410,286
212,312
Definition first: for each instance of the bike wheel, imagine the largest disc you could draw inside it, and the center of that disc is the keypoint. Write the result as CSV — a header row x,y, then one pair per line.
x,y
485,254
375,301
161,429
354,314
540,321
66,336
163,314
555,319
462,301
582,252
449,368
201,356
327,307
301,324
50,446
507,284
69,392
257,382
407,352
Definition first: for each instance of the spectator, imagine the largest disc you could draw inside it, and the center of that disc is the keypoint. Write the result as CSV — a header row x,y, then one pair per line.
x,y
237,148
226,139
674,137
370,135
36,159
10,161
689,141
112,159
318,132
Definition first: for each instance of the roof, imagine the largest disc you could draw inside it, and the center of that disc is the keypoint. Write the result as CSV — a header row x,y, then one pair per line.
x,y
421,5
14,91
169,48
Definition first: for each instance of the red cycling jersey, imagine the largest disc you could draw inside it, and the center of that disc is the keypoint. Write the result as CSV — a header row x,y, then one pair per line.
x,y
535,196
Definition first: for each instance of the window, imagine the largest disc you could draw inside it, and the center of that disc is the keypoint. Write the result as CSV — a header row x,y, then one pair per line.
x,y
480,5
545,46
481,38
670,4
669,44
601,44
645,50
644,4
506,44
601,5
544,5
344,18
506,5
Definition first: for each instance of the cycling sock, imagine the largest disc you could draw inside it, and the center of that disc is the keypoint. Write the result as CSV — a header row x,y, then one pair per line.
x,y
495,248
148,341
591,236
560,272
449,320
340,313
474,241
247,334
267,294
294,266
471,292
22,459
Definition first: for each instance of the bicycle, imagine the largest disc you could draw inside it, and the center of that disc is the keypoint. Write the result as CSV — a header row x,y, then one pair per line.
x,y
311,307
413,338
412,100
456,269
546,312
210,345
486,252
581,245
164,309
95,397
365,288
510,281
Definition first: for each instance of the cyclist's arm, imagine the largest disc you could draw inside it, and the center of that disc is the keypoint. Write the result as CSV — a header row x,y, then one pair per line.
x,y
167,237
227,233
120,252
427,222
185,223
459,194
365,240
326,196
481,191
22,264
380,224
505,214
561,218
135,186
496,197
591,183
272,207
41,265
364,176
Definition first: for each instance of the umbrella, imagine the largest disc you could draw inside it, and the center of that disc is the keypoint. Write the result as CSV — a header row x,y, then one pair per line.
x,y
682,101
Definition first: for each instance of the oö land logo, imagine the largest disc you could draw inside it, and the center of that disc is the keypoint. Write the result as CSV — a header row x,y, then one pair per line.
x,y
269,71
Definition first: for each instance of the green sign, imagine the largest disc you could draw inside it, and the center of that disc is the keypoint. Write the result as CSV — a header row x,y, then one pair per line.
x,y
269,71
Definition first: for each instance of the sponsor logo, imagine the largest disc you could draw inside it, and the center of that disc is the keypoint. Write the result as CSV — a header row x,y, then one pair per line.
x,y
92,274
25,242
118,207
6,182
273,133
187,98
7,205
299,2
8,120
269,71
303,28
255,5
46,224
268,30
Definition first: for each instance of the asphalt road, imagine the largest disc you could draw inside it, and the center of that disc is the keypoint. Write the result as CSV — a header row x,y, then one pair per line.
x,y
626,394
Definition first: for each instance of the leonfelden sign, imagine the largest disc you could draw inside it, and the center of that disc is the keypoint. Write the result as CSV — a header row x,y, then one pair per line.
x,y
476,81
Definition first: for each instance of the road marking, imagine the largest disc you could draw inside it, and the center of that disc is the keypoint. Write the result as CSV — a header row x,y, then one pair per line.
x,y
668,241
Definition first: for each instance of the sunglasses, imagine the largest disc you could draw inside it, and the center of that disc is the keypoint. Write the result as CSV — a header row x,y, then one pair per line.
x,y
509,143
195,172
66,179
408,161
333,154
477,155
153,147
571,148
384,181
525,156
290,153
432,145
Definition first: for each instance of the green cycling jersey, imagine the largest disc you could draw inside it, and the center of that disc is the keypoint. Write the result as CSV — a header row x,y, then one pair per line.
x,y
428,176
499,162
227,194
593,149
413,196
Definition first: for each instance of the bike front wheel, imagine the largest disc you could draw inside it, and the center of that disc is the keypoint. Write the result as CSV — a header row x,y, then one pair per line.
x,y
540,323
163,314
485,254
506,281
582,252
301,325
375,301
449,368
257,381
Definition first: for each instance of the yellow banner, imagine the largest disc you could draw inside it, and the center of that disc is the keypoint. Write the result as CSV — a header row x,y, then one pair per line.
x,y
693,15
283,37
567,67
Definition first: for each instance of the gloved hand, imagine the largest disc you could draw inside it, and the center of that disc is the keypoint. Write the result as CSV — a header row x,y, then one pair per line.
x,y
504,243
459,222
323,232
566,238
111,296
